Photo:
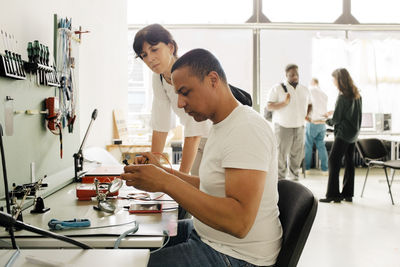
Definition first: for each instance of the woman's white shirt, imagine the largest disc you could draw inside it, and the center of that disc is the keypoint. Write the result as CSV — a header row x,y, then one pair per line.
x,y
165,104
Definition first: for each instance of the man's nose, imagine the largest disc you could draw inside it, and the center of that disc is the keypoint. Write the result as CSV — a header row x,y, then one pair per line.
x,y
181,101
150,57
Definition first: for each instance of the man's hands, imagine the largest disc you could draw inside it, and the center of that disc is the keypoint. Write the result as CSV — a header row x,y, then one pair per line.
x,y
279,105
147,177
328,114
146,173
147,158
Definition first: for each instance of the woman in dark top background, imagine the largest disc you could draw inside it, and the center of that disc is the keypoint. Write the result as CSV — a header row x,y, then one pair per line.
x,y
346,121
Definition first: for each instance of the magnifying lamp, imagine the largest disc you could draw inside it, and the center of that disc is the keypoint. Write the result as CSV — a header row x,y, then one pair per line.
x,y
102,203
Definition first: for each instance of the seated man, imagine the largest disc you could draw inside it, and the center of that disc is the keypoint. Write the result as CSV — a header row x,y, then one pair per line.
x,y
234,200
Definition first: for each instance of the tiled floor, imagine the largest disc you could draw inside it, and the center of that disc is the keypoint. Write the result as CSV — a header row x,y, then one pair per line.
x,y
365,233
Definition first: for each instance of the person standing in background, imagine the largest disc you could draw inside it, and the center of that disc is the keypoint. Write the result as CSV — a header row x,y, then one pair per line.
x,y
291,103
315,128
346,121
158,50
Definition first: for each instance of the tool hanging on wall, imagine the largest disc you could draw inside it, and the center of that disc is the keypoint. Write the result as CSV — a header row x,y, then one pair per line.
x,y
64,56
11,63
39,64
53,119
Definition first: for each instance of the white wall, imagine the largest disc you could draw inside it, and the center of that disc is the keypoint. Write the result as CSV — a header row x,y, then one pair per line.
x,y
103,66
102,53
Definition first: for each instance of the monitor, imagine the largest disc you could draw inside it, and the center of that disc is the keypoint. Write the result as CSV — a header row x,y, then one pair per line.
x,y
368,122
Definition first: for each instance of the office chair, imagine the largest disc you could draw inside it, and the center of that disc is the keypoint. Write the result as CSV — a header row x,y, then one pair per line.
x,y
297,208
374,154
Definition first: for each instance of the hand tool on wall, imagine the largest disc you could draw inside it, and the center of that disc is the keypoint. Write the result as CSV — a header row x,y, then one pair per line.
x,y
18,56
14,55
8,55
3,50
11,64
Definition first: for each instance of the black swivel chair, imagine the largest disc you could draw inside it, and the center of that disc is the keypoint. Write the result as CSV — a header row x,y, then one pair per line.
x,y
374,154
297,207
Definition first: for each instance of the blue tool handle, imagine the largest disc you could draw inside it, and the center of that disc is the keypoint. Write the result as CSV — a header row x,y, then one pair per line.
x,y
76,223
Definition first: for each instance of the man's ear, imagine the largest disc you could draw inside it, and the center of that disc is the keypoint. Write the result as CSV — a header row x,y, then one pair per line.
x,y
214,78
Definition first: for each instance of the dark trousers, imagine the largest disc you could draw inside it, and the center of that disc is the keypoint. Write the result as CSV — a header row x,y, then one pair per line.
x,y
339,149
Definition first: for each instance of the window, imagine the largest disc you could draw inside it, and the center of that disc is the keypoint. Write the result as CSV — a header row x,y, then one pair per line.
x,y
372,59
371,56
139,91
189,11
373,62
232,47
372,11
302,11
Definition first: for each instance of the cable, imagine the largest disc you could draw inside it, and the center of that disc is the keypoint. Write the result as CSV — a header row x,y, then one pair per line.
x,y
166,159
7,220
124,234
14,256
8,201
166,233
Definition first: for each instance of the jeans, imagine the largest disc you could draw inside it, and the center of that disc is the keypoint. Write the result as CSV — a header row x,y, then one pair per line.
x,y
187,249
340,148
315,133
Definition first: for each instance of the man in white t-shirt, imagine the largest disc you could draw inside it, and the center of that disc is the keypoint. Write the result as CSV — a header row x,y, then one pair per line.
x,y
234,199
291,103
315,128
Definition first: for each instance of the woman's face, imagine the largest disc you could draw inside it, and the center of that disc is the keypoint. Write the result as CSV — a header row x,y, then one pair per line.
x,y
335,82
159,58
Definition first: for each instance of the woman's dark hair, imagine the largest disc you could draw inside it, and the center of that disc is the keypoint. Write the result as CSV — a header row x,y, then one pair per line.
x,y
345,83
153,34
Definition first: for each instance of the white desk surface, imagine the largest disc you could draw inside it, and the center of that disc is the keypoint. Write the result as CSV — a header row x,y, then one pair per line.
x,y
65,206
387,136
77,257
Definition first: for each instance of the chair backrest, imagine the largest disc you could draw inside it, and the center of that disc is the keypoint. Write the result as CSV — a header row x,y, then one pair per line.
x,y
297,207
371,149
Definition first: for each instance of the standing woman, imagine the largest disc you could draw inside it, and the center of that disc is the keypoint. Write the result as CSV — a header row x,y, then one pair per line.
x,y
157,48
346,121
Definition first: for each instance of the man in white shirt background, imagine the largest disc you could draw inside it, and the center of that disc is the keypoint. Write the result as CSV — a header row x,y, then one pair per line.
x,y
291,103
315,128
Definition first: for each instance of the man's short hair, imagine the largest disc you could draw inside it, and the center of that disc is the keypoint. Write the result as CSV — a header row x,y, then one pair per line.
x,y
315,80
290,67
201,62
